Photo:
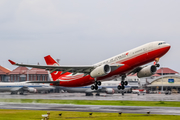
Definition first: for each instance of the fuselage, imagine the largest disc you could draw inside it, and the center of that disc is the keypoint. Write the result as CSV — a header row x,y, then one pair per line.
x,y
10,87
131,59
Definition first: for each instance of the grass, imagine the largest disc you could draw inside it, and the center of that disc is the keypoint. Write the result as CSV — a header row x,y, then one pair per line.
x,y
54,115
98,102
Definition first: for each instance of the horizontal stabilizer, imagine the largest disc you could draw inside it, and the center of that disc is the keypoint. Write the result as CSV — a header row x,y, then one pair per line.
x,y
12,62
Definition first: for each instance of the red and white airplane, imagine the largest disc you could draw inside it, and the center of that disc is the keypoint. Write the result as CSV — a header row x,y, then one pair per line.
x,y
129,62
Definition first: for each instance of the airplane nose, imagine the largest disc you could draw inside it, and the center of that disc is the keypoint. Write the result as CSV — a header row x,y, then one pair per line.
x,y
168,46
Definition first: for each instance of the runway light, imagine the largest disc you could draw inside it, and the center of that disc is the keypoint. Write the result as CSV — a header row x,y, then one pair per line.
x,y
60,114
48,114
148,112
119,113
90,114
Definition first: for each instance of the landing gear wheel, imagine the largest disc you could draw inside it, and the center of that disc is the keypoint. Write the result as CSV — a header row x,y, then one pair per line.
x,y
92,87
98,83
118,87
96,87
122,82
122,87
126,83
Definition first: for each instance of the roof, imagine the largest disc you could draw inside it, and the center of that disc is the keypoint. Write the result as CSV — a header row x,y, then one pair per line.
x,y
164,76
4,70
37,71
166,71
156,75
19,70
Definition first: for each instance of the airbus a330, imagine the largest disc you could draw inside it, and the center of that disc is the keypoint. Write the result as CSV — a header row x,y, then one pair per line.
x,y
129,62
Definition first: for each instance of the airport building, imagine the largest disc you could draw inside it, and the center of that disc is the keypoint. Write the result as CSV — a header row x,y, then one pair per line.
x,y
21,74
4,74
24,74
168,80
165,79
165,83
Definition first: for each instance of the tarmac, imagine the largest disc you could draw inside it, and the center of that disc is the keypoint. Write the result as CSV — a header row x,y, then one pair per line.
x,y
103,96
93,108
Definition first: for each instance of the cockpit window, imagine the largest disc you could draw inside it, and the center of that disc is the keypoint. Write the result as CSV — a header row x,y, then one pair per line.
x,y
162,43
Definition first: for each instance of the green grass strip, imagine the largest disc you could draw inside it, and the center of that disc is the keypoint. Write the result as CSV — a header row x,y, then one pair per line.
x,y
98,102
54,115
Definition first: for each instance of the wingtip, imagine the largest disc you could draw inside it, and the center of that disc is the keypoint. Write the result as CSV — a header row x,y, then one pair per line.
x,y
12,62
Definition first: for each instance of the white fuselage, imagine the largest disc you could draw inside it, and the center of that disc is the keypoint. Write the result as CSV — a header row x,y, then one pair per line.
x,y
133,53
10,87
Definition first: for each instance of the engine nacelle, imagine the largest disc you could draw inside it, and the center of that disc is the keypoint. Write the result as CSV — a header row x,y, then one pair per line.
x,y
109,91
100,71
32,90
147,71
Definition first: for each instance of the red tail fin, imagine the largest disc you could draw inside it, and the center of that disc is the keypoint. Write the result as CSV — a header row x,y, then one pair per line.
x,y
50,61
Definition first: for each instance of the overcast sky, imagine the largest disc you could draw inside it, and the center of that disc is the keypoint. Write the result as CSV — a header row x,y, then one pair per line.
x,y
86,31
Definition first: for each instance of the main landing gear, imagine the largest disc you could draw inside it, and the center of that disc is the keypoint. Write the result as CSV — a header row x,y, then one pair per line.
x,y
123,83
96,84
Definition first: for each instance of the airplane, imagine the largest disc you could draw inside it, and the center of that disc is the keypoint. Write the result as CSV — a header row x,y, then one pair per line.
x,y
108,87
21,87
129,62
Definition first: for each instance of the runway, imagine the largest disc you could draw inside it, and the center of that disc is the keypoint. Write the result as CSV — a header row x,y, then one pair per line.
x,y
103,96
93,108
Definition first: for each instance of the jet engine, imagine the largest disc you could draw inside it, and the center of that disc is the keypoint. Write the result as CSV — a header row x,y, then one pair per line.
x,y
147,71
109,91
100,71
32,90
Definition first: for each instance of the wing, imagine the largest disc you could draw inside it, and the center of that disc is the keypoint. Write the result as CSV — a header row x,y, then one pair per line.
x,y
64,68
86,69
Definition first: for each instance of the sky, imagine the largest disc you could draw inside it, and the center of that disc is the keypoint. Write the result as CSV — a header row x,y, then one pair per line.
x,y
84,32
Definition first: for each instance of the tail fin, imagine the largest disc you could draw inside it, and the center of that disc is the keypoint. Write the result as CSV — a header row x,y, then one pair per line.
x,y
50,61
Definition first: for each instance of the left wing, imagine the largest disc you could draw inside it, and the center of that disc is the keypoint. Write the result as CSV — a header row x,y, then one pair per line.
x,y
86,69
51,68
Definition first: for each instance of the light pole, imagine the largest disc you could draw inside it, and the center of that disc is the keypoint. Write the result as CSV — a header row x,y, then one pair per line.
x,y
162,79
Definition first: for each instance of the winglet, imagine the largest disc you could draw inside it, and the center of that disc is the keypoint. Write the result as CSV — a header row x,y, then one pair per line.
x,y
12,62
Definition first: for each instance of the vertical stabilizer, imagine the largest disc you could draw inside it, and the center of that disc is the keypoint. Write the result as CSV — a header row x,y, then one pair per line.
x,y
50,61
